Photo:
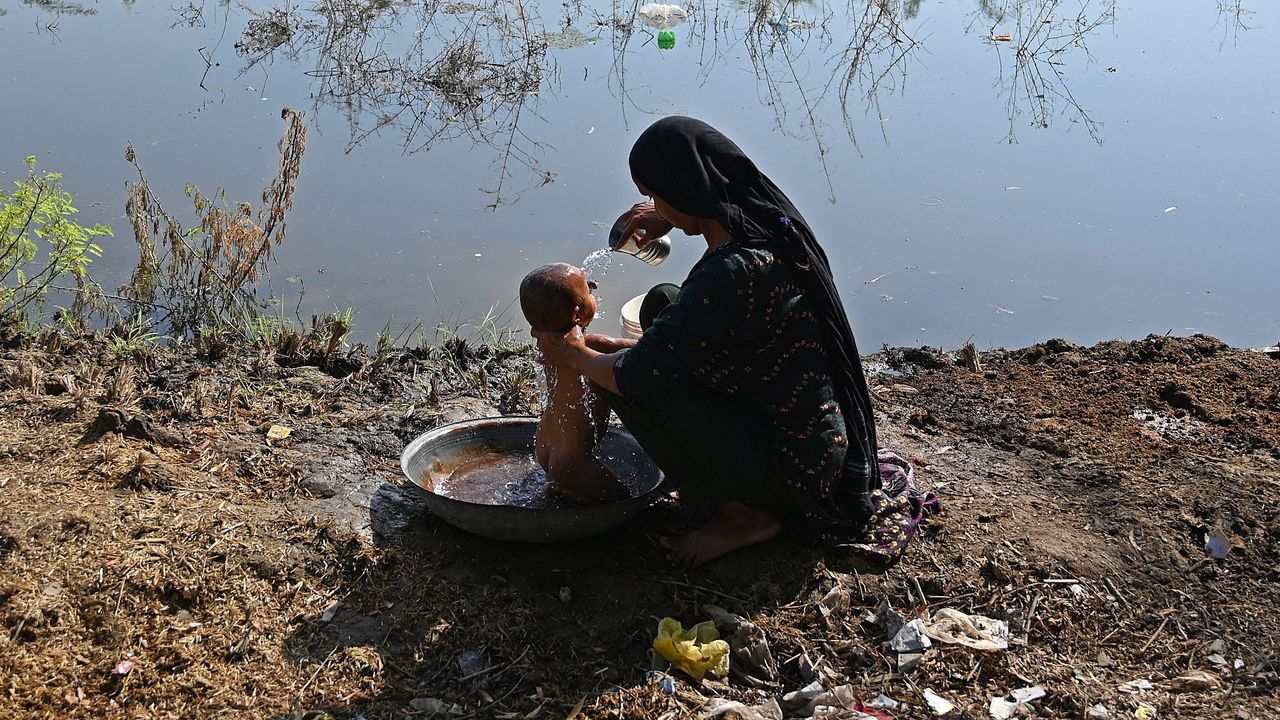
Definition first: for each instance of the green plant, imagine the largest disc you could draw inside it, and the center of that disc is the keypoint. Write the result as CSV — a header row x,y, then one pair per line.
x,y
41,244
133,339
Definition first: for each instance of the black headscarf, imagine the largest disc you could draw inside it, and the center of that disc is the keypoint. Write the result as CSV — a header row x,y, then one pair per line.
x,y
699,171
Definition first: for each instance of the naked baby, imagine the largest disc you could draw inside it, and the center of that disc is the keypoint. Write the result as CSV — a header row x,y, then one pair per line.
x,y
556,297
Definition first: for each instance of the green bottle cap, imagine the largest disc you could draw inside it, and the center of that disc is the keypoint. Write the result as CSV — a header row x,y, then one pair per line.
x,y
666,39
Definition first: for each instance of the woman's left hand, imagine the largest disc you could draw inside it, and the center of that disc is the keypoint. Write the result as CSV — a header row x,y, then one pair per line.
x,y
561,348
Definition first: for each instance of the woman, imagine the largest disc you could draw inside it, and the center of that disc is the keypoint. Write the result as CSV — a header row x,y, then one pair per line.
x,y
746,388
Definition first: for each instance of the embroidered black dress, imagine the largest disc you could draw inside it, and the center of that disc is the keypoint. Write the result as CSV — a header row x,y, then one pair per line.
x,y
730,391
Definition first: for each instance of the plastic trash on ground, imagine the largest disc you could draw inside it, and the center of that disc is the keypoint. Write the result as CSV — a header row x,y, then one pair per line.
x,y
721,708
974,631
1145,711
888,619
1218,544
1098,712
803,698
662,17
751,662
938,704
695,651
910,638
1003,709
1133,687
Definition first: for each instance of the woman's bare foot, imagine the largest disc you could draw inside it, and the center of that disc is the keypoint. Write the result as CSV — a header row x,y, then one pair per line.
x,y
734,526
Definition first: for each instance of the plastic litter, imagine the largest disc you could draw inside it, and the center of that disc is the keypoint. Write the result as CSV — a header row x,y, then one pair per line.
x,y
909,661
695,651
884,702
911,638
1003,709
938,704
974,631
837,600
1133,687
667,685
662,17
803,698
719,707
838,703
1022,696
1218,544
1144,711
751,661
278,432
888,619
125,666
1098,712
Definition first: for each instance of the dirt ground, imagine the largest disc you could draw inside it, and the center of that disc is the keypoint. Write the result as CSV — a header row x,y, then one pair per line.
x,y
147,520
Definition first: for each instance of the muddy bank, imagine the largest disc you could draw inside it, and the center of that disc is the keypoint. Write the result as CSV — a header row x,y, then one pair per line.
x,y
148,518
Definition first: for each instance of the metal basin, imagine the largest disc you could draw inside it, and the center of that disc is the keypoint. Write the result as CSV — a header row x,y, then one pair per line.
x,y
450,445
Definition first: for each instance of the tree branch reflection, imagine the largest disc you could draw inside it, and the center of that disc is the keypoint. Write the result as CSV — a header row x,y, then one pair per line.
x,y
427,72
1045,36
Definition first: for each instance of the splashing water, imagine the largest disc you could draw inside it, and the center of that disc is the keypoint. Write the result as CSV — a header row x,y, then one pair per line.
x,y
597,262
499,479
595,266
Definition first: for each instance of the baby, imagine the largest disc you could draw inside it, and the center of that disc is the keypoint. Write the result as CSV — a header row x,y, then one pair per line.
x,y
556,297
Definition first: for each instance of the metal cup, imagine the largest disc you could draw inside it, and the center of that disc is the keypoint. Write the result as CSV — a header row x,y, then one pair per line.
x,y
654,252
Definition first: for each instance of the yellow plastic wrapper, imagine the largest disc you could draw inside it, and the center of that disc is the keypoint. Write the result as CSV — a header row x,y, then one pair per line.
x,y
695,651
278,432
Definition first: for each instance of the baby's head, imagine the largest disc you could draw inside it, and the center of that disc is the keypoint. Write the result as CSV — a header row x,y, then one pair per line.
x,y
556,297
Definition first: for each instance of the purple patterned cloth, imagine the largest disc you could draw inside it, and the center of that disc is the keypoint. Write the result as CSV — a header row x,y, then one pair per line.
x,y
899,509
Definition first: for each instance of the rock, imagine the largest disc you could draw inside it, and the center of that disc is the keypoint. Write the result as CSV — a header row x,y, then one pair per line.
x,y
319,486
141,428
465,408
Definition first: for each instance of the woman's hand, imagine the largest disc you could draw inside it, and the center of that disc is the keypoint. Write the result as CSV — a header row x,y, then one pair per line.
x,y
562,348
570,349
643,216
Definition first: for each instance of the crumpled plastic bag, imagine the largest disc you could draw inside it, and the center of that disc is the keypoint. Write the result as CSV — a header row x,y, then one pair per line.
x,y
752,662
975,631
695,651
662,17
721,708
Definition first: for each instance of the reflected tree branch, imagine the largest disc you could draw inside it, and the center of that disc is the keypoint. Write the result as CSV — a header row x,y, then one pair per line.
x,y
429,72
1045,38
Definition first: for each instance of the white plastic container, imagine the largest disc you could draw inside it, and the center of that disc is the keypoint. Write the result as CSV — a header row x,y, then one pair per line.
x,y
629,318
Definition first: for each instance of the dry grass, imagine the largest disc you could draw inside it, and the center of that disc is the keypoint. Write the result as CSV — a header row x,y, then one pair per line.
x,y
197,547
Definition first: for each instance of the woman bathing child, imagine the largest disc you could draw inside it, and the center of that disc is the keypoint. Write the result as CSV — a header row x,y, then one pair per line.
x,y
555,298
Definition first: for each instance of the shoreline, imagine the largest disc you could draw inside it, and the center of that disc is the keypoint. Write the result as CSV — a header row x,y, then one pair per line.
x,y
148,518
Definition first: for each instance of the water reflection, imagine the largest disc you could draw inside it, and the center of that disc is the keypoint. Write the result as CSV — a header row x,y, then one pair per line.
x,y
427,72
1231,18
62,7
436,71
1046,38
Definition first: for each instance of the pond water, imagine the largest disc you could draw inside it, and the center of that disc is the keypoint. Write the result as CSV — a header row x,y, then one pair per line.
x,y
1108,170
